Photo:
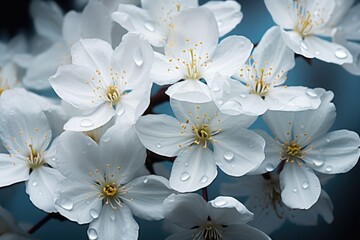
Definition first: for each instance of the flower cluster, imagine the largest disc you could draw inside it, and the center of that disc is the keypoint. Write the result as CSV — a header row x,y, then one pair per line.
x,y
89,153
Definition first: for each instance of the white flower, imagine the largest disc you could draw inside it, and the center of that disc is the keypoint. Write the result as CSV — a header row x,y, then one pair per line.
x,y
9,229
102,185
156,17
258,86
264,200
223,218
11,50
26,134
104,82
303,145
192,53
62,32
8,77
303,24
202,138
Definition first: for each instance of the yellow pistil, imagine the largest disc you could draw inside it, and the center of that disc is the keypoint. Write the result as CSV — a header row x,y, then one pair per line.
x,y
1,90
210,231
113,94
192,70
110,190
34,158
304,25
202,135
291,151
178,7
260,87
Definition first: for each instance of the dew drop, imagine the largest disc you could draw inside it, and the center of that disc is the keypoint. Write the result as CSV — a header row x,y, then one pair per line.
x,y
146,180
311,93
269,167
92,233
329,168
216,88
204,179
219,23
150,26
305,185
87,202
158,145
318,163
302,126
340,53
65,203
317,53
328,140
112,216
228,155
94,213
243,95
220,202
138,58
184,176
34,183
233,105
86,123
295,190
303,45
186,164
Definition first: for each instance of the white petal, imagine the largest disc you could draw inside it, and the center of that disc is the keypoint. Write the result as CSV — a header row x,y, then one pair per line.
x,y
72,27
186,34
94,54
227,14
129,155
272,154
163,134
328,51
282,12
134,18
294,41
193,169
350,23
186,210
22,122
321,12
73,83
278,122
147,195
114,224
190,91
291,99
99,117
243,231
50,154
183,235
41,187
335,152
77,155
300,186
354,48
228,211
45,65
279,63
12,170
8,74
229,56
135,56
163,71
76,199
239,151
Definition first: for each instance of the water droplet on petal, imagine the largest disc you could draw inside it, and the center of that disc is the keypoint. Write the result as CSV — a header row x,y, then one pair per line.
x,y
311,93
219,23
243,95
94,213
329,168
184,176
317,53
228,155
65,203
158,145
138,58
303,45
146,180
305,184
186,164
269,167
92,234
204,179
328,140
112,216
216,88
233,105
220,202
86,123
87,202
295,190
34,183
302,126
318,162
150,26
340,53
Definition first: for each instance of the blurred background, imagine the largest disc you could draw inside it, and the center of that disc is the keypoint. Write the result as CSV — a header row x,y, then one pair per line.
x,y
344,189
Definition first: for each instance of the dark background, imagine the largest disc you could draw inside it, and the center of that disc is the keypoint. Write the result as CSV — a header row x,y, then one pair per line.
x,y
343,189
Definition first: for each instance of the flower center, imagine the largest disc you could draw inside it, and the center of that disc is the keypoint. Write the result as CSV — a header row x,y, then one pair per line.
x,y
291,151
34,158
113,94
260,86
1,90
202,135
110,190
209,231
305,23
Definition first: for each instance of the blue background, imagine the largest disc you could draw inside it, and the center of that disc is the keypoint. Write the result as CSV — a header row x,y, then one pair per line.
x,y
343,189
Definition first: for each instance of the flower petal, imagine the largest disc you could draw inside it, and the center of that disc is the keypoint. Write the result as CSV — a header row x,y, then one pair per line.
x,y
193,169
190,91
282,12
183,235
12,170
146,195
186,210
163,71
227,211
41,187
239,151
71,29
243,231
75,200
335,152
300,186
114,224
163,134
349,24
227,14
